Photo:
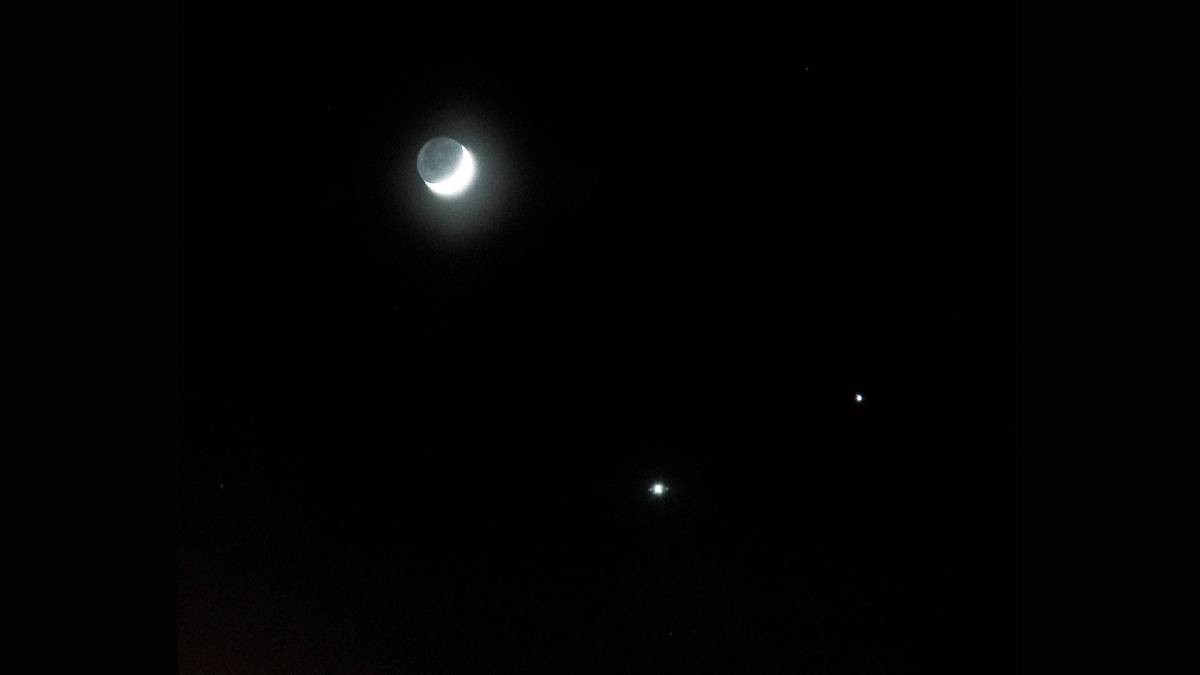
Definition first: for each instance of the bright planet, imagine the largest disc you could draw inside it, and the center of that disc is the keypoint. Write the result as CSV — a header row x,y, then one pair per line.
x,y
446,166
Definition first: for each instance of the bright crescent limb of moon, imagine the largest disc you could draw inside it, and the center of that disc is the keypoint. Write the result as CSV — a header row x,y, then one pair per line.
x,y
458,181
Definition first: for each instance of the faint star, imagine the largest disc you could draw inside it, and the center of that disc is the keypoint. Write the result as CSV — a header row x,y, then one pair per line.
x,y
858,398
658,489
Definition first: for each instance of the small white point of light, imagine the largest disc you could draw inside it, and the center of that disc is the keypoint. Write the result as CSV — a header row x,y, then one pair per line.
x,y
858,398
658,488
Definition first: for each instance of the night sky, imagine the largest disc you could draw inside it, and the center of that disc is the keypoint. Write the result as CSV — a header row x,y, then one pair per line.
x,y
418,435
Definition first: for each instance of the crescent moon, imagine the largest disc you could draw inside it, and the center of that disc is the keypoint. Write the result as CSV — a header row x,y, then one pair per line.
x,y
458,181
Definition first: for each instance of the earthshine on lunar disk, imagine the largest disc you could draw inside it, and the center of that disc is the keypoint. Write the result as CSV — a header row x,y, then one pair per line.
x,y
446,166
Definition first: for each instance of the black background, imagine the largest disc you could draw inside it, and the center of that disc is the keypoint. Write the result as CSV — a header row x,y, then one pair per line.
x,y
417,435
